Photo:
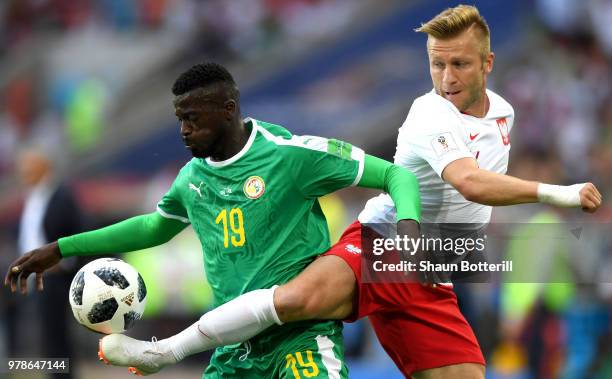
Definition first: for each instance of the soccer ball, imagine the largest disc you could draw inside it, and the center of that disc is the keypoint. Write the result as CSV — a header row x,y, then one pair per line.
x,y
107,295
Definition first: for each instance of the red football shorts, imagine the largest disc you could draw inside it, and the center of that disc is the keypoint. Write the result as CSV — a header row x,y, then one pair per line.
x,y
419,326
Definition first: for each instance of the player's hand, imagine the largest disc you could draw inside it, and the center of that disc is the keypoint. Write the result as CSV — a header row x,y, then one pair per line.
x,y
590,198
36,261
409,228
412,229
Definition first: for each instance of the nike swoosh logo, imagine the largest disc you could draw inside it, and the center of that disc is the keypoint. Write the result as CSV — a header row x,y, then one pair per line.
x,y
473,136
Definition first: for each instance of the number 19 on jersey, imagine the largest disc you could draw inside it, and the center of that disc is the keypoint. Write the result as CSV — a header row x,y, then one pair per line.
x,y
232,222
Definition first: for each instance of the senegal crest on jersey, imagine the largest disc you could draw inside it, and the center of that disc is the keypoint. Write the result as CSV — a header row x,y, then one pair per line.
x,y
254,187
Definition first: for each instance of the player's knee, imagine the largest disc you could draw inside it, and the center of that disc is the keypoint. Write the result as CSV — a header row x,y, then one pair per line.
x,y
294,303
325,290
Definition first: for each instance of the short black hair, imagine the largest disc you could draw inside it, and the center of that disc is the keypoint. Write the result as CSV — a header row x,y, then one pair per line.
x,y
202,75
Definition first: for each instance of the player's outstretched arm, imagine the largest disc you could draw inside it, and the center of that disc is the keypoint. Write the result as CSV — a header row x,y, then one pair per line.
x,y
136,233
401,185
489,188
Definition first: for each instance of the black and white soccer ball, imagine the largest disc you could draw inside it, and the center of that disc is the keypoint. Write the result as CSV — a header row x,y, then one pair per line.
x,y
107,295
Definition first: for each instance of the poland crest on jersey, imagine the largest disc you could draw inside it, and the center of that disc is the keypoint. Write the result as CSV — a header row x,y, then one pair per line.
x,y
503,130
254,187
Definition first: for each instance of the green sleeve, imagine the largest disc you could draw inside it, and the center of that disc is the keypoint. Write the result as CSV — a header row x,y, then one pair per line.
x,y
398,182
320,165
136,233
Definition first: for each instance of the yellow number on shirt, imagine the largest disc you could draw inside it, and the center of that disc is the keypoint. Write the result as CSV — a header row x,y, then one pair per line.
x,y
309,367
236,225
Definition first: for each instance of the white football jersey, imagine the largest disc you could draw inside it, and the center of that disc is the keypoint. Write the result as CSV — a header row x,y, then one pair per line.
x,y
435,134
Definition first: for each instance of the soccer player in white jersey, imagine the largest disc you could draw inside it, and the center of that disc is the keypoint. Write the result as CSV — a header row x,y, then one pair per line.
x,y
456,141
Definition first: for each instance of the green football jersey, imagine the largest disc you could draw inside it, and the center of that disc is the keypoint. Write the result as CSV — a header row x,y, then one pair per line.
x,y
256,213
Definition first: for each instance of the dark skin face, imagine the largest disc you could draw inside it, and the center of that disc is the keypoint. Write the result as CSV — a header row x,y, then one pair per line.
x,y
210,121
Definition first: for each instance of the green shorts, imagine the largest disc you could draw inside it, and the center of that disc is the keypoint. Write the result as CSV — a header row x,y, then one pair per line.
x,y
292,351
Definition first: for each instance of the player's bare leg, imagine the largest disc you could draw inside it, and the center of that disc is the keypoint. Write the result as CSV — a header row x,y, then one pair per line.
x,y
324,290
463,371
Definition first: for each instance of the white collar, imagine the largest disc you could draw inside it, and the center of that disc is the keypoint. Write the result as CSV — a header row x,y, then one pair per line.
x,y
242,151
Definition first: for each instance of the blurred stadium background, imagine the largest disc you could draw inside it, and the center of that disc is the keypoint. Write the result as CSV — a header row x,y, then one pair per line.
x,y
90,79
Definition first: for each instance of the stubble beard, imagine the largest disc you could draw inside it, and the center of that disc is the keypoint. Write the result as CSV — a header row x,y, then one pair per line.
x,y
475,95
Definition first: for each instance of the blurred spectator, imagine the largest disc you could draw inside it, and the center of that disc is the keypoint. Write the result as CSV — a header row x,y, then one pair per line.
x,y
84,115
50,212
551,316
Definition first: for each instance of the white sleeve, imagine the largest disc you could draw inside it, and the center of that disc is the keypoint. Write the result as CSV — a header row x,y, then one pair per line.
x,y
434,132
378,210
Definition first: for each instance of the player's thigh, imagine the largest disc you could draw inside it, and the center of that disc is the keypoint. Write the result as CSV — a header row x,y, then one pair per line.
x,y
313,356
463,371
324,290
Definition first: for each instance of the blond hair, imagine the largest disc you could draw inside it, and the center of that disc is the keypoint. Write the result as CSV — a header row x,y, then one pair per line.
x,y
453,21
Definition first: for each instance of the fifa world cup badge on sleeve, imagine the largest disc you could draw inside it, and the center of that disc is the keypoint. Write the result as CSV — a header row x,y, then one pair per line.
x,y
443,143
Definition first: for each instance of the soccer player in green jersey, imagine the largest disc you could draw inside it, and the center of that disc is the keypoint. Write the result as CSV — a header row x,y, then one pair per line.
x,y
250,193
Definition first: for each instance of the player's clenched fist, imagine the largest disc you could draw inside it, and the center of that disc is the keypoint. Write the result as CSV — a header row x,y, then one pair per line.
x,y
584,195
36,261
590,198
